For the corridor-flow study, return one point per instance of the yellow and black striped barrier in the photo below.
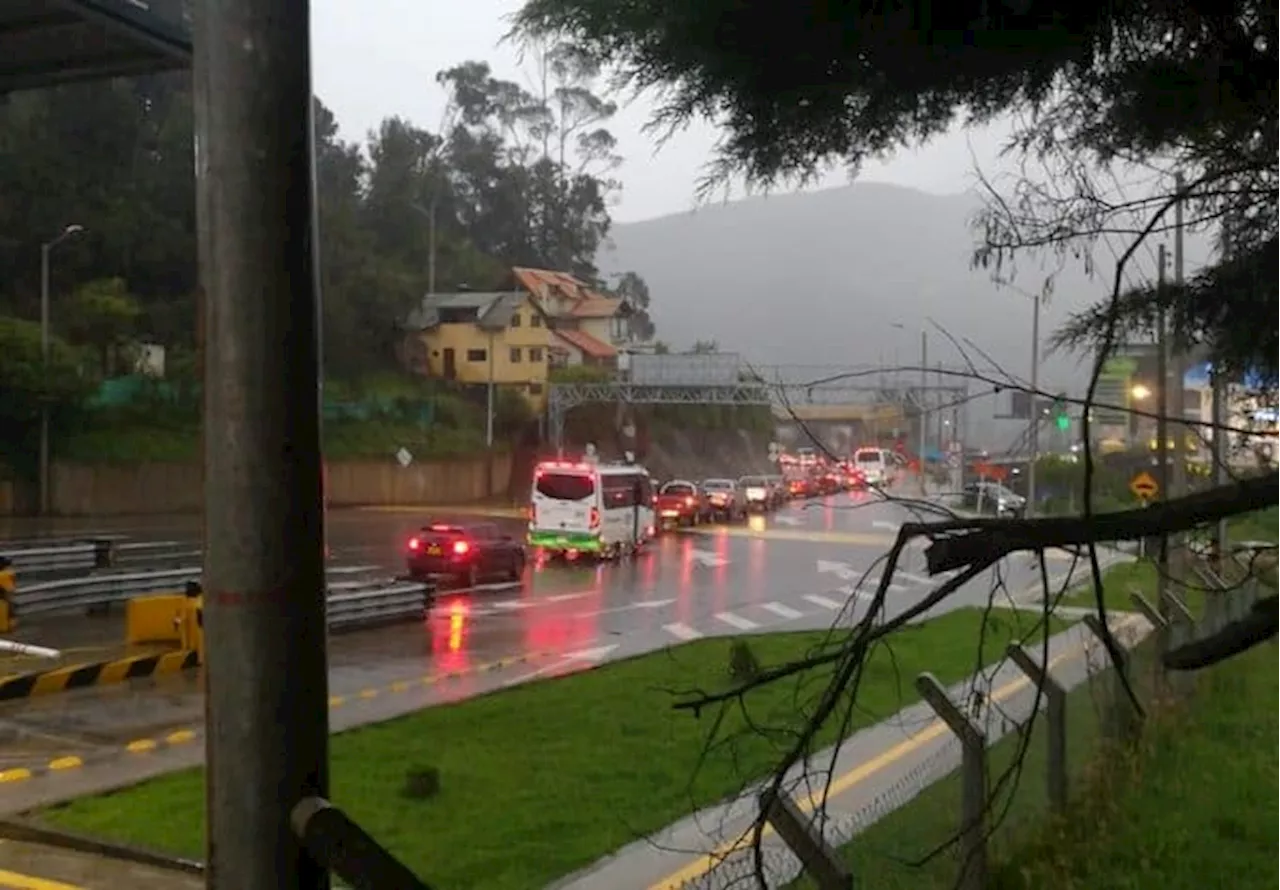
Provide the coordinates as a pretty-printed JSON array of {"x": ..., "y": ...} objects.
[{"x": 99, "y": 673}]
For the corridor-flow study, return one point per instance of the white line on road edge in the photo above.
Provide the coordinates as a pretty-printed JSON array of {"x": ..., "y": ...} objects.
[
  {"x": 682, "y": 631},
  {"x": 824, "y": 602},
  {"x": 781, "y": 611},
  {"x": 736, "y": 621}
]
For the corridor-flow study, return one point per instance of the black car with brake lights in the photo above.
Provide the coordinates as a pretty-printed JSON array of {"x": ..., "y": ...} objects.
[{"x": 468, "y": 553}]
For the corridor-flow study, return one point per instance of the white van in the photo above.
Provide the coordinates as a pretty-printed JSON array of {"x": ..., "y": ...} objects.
[
  {"x": 876, "y": 465},
  {"x": 586, "y": 508}
]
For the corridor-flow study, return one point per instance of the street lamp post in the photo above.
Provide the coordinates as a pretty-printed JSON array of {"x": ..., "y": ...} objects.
[
  {"x": 924, "y": 388},
  {"x": 1037, "y": 416},
  {"x": 46, "y": 249}
]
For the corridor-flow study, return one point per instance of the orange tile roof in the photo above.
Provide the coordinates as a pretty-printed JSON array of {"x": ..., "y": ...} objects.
[
  {"x": 597, "y": 307},
  {"x": 541, "y": 282},
  {"x": 587, "y": 344}
]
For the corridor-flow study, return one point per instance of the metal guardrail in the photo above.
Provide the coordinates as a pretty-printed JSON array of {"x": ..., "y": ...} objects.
[
  {"x": 95, "y": 554},
  {"x": 359, "y": 604},
  {"x": 350, "y": 602}
]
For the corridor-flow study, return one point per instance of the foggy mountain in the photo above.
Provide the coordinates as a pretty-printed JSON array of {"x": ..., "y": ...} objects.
[{"x": 822, "y": 278}]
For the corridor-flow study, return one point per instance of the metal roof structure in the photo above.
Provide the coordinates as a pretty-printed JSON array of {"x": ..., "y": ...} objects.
[{"x": 49, "y": 42}]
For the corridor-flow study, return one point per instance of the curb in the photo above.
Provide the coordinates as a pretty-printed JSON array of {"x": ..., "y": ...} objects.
[
  {"x": 26, "y": 831},
  {"x": 186, "y": 736},
  {"x": 100, "y": 673}
]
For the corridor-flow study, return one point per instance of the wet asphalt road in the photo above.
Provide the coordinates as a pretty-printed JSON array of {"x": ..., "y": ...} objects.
[{"x": 799, "y": 568}]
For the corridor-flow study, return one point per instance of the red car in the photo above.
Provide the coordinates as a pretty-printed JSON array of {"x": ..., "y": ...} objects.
[
  {"x": 680, "y": 503},
  {"x": 470, "y": 554}
]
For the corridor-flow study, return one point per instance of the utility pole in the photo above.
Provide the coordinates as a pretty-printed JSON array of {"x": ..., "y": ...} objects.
[
  {"x": 43, "y": 458},
  {"x": 924, "y": 394},
  {"x": 1162, "y": 429},
  {"x": 1035, "y": 405},
  {"x": 266, "y": 677},
  {"x": 1178, "y": 361},
  {"x": 1218, "y": 445}
]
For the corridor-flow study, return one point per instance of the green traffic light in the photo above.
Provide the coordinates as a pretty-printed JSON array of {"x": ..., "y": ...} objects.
[{"x": 1064, "y": 422}]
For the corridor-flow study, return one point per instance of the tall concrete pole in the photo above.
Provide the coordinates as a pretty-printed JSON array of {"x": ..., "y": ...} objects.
[
  {"x": 43, "y": 458},
  {"x": 1035, "y": 405},
  {"x": 264, "y": 616}
]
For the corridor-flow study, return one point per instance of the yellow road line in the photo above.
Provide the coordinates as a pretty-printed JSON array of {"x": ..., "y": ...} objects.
[
  {"x": 12, "y": 880},
  {"x": 704, "y": 864}
]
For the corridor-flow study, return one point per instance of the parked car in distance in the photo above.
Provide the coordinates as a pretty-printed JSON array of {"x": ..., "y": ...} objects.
[
  {"x": 467, "y": 553},
  {"x": 680, "y": 503},
  {"x": 724, "y": 499},
  {"x": 755, "y": 490},
  {"x": 993, "y": 498}
]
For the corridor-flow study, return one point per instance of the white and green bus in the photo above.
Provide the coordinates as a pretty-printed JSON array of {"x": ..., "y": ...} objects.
[{"x": 590, "y": 509}]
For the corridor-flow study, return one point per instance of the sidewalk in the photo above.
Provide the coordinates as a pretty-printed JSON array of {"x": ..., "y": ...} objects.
[{"x": 876, "y": 771}]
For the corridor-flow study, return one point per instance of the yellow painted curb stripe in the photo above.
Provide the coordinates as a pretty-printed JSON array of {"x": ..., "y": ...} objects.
[{"x": 12, "y": 880}]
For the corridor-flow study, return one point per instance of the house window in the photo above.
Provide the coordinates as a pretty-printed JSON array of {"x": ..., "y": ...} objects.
[
  {"x": 515, "y": 355},
  {"x": 535, "y": 320},
  {"x": 515, "y": 320},
  {"x": 535, "y": 389},
  {"x": 476, "y": 355},
  {"x": 535, "y": 354}
]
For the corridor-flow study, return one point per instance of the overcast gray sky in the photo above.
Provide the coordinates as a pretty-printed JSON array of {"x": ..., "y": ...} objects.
[{"x": 379, "y": 57}]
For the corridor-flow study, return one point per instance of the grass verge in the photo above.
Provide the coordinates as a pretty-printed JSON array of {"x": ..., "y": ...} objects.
[
  {"x": 1120, "y": 581},
  {"x": 909, "y": 848},
  {"x": 543, "y": 779},
  {"x": 1196, "y": 798}
]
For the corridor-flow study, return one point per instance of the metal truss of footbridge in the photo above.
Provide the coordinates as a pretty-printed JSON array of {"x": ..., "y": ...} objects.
[{"x": 829, "y": 394}]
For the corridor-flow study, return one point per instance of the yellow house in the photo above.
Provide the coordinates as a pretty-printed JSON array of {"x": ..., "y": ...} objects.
[
  {"x": 588, "y": 326},
  {"x": 475, "y": 338}
]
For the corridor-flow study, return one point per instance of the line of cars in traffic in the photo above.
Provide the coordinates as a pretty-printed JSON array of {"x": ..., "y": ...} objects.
[{"x": 602, "y": 510}]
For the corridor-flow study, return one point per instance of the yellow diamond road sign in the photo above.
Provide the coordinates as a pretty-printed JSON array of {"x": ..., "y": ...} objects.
[{"x": 1143, "y": 486}]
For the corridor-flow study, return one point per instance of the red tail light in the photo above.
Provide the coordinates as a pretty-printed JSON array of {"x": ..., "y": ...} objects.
[
  {"x": 595, "y": 517},
  {"x": 461, "y": 548},
  {"x": 688, "y": 502},
  {"x": 414, "y": 543}
]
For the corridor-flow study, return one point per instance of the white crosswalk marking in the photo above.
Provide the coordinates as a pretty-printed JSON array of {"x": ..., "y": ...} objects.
[
  {"x": 872, "y": 584},
  {"x": 682, "y": 631},
  {"x": 736, "y": 621},
  {"x": 824, "y": 602},
  {"x": 781, "y": 611}
]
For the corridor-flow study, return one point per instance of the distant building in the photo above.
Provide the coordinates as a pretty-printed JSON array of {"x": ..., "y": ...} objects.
[
  {"x": 474, "y": 338},
  {"x": 588, "y": 327}
]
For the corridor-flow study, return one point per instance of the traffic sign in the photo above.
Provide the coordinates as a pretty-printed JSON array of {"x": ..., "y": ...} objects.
[{"x": 1143, "y": 486}]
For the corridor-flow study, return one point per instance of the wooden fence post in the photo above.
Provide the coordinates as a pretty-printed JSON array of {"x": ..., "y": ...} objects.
[
  {"x": 1055, "y": 720},
  {"x": 973, "y": 777},
  {"x": 1123, "y": 721},
  {"x": 819, "y": 859}
]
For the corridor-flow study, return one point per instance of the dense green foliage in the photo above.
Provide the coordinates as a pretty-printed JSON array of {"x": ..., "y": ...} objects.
[
  {"x": 507, "y": 178},
  {"x": 1095, "y": 89}
]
